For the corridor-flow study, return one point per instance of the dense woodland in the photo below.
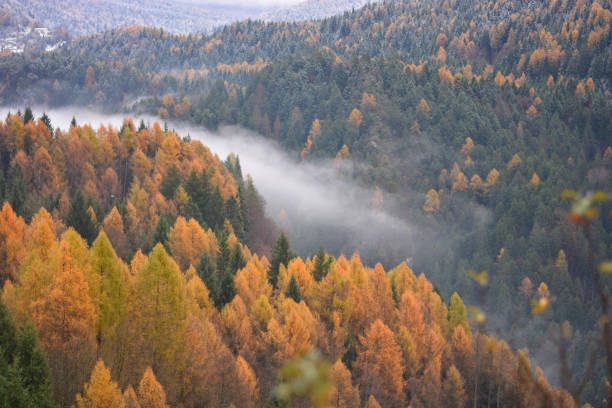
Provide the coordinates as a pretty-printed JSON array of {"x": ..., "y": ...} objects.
[
  {"x": 471, "y": 117},
  {"x": 197, "y": 319}
]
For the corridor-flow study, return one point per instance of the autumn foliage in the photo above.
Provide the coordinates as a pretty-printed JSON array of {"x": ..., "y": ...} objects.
[{"x": 159, "y": 337}]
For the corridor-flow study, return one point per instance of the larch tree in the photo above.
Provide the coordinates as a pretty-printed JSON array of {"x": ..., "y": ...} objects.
[
  {"x": 343, "y": 394},
  {"x": 426, "y": 390},
  {"x": 65, "y": 318},
  {"x": 248, "y": 392},
  {"x": 453, "y": 394},
  {"x": 130, "y": 398},
  {"x": 379, "y": 366},
  {"x": 187, "y": 240},
  {"x": 160, "y": 290},
  {"x": 372, "y": 403},
  {"x": 432, "y": 202},
  {"x": 457, "y": 314},
  {"x": 150, "y": 393},
  {"x": 12, "y": 248},
  {"x": 101, "y": 391},
  {"x": 114, "y": 320},
  {"x": 114, "y": 229}
]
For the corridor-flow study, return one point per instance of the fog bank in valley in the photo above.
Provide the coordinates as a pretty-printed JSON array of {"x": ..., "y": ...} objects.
[{"x": 313, "y": 202}]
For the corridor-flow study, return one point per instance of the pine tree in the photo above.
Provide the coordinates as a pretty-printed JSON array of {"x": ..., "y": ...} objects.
[
  {"x": 160, "y": 234},
  {"x": 237, "y": 260},
  {"x": 321, "y": 266},
  {"x": 80, "y": 219},
  {"x": 27, "y": 116},
  {"x": 293, "y": 290},
  {"x": 207, "y": 271},
  {"x": 33, "y": 369},
  {"x": 8, "y": 335},
  {"x": 281, "y": 254},
  {"x": 170, "y": 182},
  {"x": 18, "y": 194}
]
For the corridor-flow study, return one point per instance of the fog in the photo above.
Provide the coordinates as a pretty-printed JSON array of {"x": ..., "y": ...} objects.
[{"x": 315, "y": 203}]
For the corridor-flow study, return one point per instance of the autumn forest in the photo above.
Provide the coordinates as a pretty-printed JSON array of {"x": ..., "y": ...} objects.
[{"x": 140, "y": 268}]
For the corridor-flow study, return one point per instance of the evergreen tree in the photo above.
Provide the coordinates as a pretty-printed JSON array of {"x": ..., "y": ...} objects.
[
  {"x": 160, "y": 235},
  {"x": 223, "y": 253},
  {"x": 215, "y": 209},
  {"x": 47, "y": 121},
  {"x": 170, "y": 182},
  {"x": 234, "y": 215},
  {"x": 24, "y": 374},
  {"x": 18, "y": 193},
  {"x": 28, "y": 116},
  {"x": 8, "y": 335},
  {"x": 321, "y": 266},
  {"x": 293, "y": 290},
  {"x": 281, "y": 254},
  {"x": 207, "y": 271},
  {"x": 33, "y": 369},
  {"x": 79, "y": 218},
  {"x": 226, "y": 289},
  {"x": 237, "y": 260},
  {"x": 73, "y": 122}
]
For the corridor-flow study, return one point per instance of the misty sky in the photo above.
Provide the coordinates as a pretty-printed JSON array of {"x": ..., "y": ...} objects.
[{"x": 245, "y": 3}]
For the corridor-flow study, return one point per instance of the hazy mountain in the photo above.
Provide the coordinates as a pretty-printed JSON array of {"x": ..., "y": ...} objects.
[
  {"x": 314, "y": 9},
  {"x": 82, "y": 17}
]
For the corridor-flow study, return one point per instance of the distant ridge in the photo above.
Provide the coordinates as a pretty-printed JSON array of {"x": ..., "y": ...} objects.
[{"x": 314, "y": 9}]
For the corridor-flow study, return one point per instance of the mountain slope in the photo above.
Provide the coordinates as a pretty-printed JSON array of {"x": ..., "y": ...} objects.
[
  {"x": 80, "y": 17},
  {"x": 313, "y": 10}
]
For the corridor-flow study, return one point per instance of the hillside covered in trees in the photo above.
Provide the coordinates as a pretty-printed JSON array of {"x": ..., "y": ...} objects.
[
  {"x": 470, "y": 119},
  {"x": 193, "y": 317}
]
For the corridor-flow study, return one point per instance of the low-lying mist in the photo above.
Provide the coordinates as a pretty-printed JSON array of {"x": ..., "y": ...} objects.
[{"x": 314, "y": 202}]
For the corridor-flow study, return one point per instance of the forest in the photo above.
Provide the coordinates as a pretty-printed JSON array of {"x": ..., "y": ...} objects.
[
  {"x": 469, "y": 119},
  {"x": 96, "y": 314}
]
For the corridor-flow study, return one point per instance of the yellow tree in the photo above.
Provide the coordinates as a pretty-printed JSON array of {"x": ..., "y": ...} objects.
[
  {"x": 343, "y": 394},
  {"x": 248, "y": 392},
  {"x": 101, "y": 391},
  {"x": 355, "y": 118},
  {"x": 372, "y": 403},
  {"x": 161, "y": 299},
  {"x": 432, "y": 202},
  {"x": 453, "y": 394},
  {"x": 12, "y": 249},
  {"x": 426, "y": 390},
  {"x": 150, "y": 393},
  {"x": 65, "y": 318},
  {"x": 130, "y": 398},
  {"x": 113, "y": 227},
  {"x": 379, "y": 366},
  {"x": 115, "y": 328},
  {"x": 187, "y": 240}
]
